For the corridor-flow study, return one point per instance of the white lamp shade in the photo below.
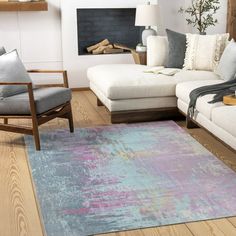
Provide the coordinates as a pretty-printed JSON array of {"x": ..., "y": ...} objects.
[{"x": 147, "y": 15}]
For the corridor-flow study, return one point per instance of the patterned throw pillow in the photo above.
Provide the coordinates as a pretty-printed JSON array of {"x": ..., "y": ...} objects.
[{"x": 204, "y": 51}]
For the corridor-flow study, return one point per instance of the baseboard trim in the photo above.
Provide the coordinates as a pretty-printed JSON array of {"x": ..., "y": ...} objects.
[{"x": 80, "y": 89}]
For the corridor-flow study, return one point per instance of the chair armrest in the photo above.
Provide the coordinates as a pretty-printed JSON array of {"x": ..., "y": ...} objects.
[
  {"x": 63, "y": 72},
  {"x": 16, "y": 83},
  {"x": 46, "y": 71}
]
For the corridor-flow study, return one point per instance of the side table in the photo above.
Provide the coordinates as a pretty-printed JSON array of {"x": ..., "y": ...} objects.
[
  {"x": 230, "y": 100},
  {"x": 139, "y": 57}
]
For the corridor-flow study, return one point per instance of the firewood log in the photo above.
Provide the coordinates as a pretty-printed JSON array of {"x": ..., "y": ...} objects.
[
  {"x": 122, "y": 46},
  {"x": 113, "y": 50},
  {"x": 100, "y": 49},
  {"x": 105, "y": 42}
]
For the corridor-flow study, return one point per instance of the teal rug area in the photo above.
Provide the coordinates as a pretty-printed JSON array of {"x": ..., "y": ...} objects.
[{"x": 124, "y": 177}]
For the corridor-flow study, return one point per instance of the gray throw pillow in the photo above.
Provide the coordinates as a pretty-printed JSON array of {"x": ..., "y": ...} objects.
[
  {"x": 227, "y": 66},
  {"x": 2, "y": 51},
  {"x": 12, "y": 70},
  {"x": 177, "y": 49}
]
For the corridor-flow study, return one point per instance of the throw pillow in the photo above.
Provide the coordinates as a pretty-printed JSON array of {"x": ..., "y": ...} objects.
[
  {"x": 157, "y": 51},
  {"x": 177, "y": 49},
  {"x": 227, "y": 66},
  {"x": 2, "y": 51},
  {"x": 204, "y": 51},
  {"x": 12, "y": 70}
]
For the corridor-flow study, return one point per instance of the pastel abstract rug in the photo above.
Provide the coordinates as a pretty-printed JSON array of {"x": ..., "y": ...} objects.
[{"x": 124, "y": 177}]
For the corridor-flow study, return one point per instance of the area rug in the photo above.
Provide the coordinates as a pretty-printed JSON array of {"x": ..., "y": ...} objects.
[{"x": 124, "y": 177}]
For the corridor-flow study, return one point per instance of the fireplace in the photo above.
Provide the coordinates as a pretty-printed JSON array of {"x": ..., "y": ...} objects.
[
  {"x": 77, "y": 63},
  {"x": 114, "y": 24}
]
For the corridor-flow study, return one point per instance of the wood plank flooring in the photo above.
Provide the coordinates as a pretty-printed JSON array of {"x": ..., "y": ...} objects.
[{"x": 19, "y": 215}]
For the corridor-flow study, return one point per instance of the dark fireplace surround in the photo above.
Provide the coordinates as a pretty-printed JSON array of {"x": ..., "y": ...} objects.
[{"x": 114, "y": 24}]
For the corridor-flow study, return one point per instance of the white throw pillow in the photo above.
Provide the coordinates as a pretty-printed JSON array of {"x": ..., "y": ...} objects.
[
  {"x": 157, "y": 50},
  {"x": 227, "y": 65},
  {"x": 204, "y": 51}
]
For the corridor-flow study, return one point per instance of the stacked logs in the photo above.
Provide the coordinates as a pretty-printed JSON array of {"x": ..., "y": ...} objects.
[{"x": 104, "y": 47}]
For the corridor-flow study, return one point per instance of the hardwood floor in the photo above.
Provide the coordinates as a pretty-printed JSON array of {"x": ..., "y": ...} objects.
[{"x": 19, "y": 214}]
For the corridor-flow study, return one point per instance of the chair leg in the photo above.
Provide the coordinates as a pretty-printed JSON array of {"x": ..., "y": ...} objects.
[
  {"x": 34, "y": 117},
  {"x": 5, "y": 121},
  {"x": 36, "y": 134},
  {"x": 70, "y": 120}
]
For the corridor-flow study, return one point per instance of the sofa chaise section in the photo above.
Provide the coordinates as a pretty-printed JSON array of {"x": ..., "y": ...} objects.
[{"x": 130, "y": 94}]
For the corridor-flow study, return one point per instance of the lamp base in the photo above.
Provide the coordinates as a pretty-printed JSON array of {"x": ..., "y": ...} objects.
[{"x": 147, "y": 32}]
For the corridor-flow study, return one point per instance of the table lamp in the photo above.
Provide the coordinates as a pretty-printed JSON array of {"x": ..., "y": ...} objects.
[{"x": 147, "y": 15}]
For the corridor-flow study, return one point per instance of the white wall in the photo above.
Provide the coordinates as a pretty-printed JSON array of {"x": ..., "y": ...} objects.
[
  {"x": 173, "y": 20},
  {"x": 170, "y": 18},
  {"x": 36, "y": 35}
]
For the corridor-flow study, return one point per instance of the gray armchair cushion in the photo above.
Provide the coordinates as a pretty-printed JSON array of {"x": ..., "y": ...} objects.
[
  {"x": 45, "y": 99},
  {"x": 2, "y": 51},
  {"x": 177, "y": 49},
  {"x": 12, "y": 70}
]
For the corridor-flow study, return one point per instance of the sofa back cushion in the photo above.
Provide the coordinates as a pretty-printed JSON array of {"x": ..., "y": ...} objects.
[
  {"x": 12, "y": 70},
  {"x": 2, "y": 51},
  {"x": 204, "y": 51},
  {"x": 196, "y": 75},
  {"x": 227, "y": 66},
  {"x": 157, "y": 50}
]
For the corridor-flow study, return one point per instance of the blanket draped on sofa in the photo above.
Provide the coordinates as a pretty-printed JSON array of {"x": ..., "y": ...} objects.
[{"x": 220, "y": 90}]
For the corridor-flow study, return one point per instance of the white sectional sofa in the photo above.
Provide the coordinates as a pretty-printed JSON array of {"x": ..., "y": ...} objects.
[{"x": 131, "y": 95}]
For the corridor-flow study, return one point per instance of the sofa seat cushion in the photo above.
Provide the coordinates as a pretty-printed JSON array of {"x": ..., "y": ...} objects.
[
  {"x": 45, "y": 99},
  {"x": 183, "y": 90},
  {"x": 206, "y": 108},
  {"x": 134, "y": 103},
  {"x": 202, "y": 106},
  {"x": 129, "y": 81},
  {"x": 224, "y": 117}
]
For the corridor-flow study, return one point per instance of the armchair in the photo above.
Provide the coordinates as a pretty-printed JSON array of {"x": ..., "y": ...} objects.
[{"x": 40, "y": 105}]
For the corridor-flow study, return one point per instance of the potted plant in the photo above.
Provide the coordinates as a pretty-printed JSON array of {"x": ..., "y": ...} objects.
[{"x": 202, "y": 14}]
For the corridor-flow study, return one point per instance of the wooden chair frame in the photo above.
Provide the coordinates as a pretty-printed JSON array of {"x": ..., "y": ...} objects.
[{"x": 62, "y": 111}]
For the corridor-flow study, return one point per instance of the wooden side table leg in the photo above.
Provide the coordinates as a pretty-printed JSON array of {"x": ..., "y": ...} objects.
[{"x": 140, "y": 58}]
